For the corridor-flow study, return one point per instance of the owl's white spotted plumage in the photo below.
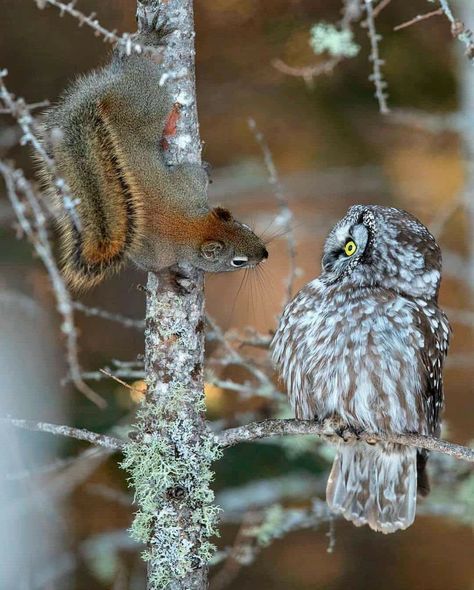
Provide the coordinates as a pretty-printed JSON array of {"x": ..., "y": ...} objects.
[{"x": 365, "y": 343}]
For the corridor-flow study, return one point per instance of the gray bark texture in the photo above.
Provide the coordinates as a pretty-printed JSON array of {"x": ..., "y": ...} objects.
[{"x": 171, "y": 453}]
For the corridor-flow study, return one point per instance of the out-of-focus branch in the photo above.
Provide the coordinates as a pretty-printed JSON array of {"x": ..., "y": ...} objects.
[
  {"x": 308, "y": 73},
  {"x": 91, "y": 21},
  {"x": 107, "y": 315},
  {"x": 285, "y": 217},
  {"x": 34, "y": 227},
  {"x": 351, "y": 13},
  {"x": 459, "y": 29},
  {"x": 262, "y": 527},
  {"x": 230, "y": 356},
  {"x": 466, "y": 93},
  {"x": 418, "y": 18},
  {"x": 270, "y": 428},
  {"x": 376, "y": 77},
  {"x": 21, "y": 111}
]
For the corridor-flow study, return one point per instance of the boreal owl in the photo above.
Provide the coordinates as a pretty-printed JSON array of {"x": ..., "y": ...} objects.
[{"x": 364, "y": 344}]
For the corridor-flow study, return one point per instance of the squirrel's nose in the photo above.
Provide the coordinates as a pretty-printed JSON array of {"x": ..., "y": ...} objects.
[{"x": 264, "y": 254}]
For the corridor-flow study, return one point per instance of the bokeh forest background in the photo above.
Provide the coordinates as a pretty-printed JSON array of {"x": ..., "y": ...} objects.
[{"x": 64, "y": 528}]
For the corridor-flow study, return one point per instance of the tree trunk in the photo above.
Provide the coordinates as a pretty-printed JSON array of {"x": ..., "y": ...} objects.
[{"x": 171, "y": 455}]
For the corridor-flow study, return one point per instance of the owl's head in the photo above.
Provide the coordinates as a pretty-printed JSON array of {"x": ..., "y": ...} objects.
[{"x": 386, "y": 247}]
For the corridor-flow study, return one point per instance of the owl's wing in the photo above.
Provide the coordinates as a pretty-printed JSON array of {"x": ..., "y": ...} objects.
[{"x": 434, "y": 326}]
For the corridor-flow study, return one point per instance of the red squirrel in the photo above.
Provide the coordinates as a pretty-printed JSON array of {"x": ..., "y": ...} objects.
[{"x": 107, "y": 130}]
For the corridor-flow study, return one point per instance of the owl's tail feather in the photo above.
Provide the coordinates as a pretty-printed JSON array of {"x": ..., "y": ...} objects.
[{"x": 374, "y": 485}]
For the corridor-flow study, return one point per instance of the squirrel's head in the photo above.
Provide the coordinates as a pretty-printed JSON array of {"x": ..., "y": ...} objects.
[{"x": 227, "y": 244}]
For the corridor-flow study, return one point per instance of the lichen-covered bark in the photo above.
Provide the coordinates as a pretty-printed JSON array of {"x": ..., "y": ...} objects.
[{"x": 171, "y": 453}]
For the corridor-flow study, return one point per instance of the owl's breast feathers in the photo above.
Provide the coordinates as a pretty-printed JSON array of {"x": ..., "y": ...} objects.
[{"x": 369, "y": 355}]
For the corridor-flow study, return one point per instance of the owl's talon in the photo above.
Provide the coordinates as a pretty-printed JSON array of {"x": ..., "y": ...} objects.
[
  {"x": 356, "y": 432},
  {"x": 343, "y": 432}
]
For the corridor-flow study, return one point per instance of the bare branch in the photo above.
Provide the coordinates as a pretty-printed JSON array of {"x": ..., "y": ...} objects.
[
  {"x": 459, "y": 30},
  {"x": 101, "y": 440},
  {"x": 376, "y": 77},
  {"x": 107, "y": 315},
  {"x": 418, "y": 19},
  {"x": 18, "y": 109},
  {"x": 36, "y": 231},
  {"x": 285, "y": 217},
  {"x": 380, "y": 6},
  {"x": 307, "y": 72},
  {"x": 262, "y": 527},
  {"x": 91, "y": 21},
  {"x": 232, "y": 355},
  {"x": 271, "y": 428},
  {"x": 126, "y": 373}
]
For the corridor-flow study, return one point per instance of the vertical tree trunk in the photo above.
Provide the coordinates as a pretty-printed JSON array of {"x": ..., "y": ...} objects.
[{"x": 171, "y": 455}]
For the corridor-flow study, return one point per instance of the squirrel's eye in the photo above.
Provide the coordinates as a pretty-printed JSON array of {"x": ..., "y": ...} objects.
[
  {"x": 239, "y": 261},
  {"x": 350, "y": 248}
]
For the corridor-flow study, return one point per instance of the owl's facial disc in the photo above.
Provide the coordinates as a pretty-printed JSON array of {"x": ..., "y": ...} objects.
[{"x": 344, "y": 248}]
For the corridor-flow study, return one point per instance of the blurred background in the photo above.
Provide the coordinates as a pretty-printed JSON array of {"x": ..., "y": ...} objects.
[{"x": 64, "y": 521}]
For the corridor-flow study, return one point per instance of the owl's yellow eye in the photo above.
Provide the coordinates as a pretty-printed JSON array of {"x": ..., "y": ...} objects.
[{"x": 350, "y": 248}]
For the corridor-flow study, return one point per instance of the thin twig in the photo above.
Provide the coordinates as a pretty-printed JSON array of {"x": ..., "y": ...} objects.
[
  {"x": 459, "y": 30},
  {"x": 232, "y": 356},
  {"x": 351, "y": 13},
  {"x": 307, "y": 72},
  {"x": 241, "y": 553},
  {"x": 37, "y": 233},
  {"x": 271, "y": 428},
  {"x": 18, "y": 108},
  {"x": 120, "y": 374},
  {"x": 380, "y": 6},
  {"x": 91, "y": 21},
  {"x": 107, "y": 315},
  {"x": 139, "y": 392},
  {"x": 285, "y": 217},
  {"x": 419, "y": 18}
]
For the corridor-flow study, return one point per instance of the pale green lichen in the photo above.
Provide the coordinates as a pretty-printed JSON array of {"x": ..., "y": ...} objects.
[
  {"x": 166, "y": 457},
  {"x": 337, "y": 42},
  {"x": 270, "y": 528}
]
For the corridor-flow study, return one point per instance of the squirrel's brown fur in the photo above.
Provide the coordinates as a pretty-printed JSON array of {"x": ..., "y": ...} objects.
[{"x": 105, "y": 136}]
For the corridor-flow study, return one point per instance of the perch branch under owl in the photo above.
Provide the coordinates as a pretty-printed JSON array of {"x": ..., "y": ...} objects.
[
  {"x": 271, "y": 428},
  {"x": 266, "y": 429}
]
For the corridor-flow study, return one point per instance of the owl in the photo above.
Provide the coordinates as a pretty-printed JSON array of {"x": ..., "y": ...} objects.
[{"x": 364, "y": 344}]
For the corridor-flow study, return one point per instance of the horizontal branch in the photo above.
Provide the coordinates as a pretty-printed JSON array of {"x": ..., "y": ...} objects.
[
  {"x": 101, "y": 440},
  {"x": 266, "y": 429},
  {"x": 272, "y": 428}
]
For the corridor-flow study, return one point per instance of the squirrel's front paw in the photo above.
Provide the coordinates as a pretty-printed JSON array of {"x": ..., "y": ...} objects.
[{"x": 182, "y": 283}]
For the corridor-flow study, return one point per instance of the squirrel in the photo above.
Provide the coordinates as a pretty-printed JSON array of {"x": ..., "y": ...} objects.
[{"x": 106, "y": 137}]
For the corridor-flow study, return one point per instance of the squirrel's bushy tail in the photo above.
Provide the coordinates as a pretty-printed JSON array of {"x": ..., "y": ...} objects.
[
  {"x": 109, "y": 206},
  {"x": 374, "y": 485}
]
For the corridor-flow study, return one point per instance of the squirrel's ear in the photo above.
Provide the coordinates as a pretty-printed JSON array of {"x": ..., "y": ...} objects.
[
  {"x": 222, "y": 214},
  {"x": 211, "y": 249}
]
